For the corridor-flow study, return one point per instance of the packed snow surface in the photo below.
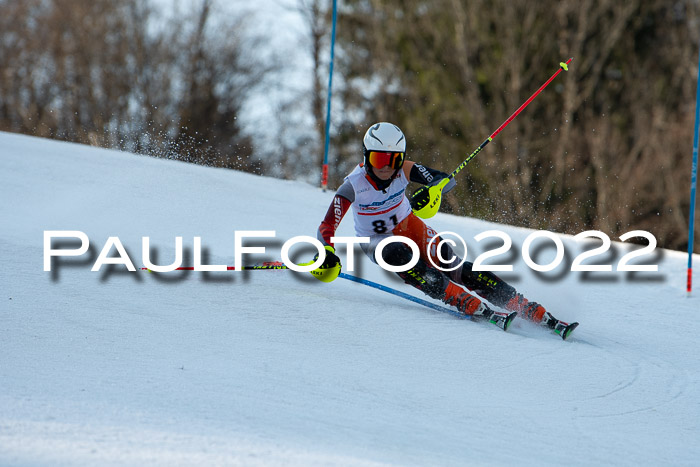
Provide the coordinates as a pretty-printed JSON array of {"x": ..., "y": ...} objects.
[{"x": 274, "y": 367}]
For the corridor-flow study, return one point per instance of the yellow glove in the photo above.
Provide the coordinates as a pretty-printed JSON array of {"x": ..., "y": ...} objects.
[
  {"x": 330, "y": 269},
  {"x": 426, "y": 200}
]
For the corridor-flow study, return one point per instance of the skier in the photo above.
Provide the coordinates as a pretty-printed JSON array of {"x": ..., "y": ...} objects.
[{"x": 376, "y": 191}]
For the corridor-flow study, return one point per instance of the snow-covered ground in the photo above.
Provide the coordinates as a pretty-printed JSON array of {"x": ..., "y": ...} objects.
[{"x": 274, "y": 367}]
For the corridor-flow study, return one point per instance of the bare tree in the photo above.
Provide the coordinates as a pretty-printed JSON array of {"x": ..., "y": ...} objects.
[{"x": 113, "y": 74}]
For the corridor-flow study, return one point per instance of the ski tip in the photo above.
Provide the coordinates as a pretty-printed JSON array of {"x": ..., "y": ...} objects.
[
  {"x": 568, "y": 330},
  {"x": 509, "y": 320}
]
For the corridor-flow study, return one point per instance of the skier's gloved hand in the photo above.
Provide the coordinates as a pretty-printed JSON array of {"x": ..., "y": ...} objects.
[
  {"x": 331, "y": 258},
  {"x": 330, "y": 269},
  {"x": 423, "y": 196},
  {"x": 420, "y": 198},
  {"x": 425, "y": 202}
]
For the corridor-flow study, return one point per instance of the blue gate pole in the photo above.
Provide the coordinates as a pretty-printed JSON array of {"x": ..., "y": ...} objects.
[
  {"x": 693, "y": 186},
  {"x": 324, "y": 171}
]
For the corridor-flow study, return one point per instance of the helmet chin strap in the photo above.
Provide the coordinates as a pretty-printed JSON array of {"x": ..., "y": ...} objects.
[{"x": 378, "y": 182}]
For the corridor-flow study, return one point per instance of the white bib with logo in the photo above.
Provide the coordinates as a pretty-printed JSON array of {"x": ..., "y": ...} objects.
[{"x": 378, "y": 211}]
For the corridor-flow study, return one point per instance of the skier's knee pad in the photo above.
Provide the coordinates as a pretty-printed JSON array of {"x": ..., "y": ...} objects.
[
  {"x": 422, "y": 276},
  {"x": 397, "y": 254},
  {"x": 426, "y": 278}
]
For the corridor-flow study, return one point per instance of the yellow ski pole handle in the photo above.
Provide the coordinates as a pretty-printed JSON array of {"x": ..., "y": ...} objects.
[{"x": 435, "y": 199}]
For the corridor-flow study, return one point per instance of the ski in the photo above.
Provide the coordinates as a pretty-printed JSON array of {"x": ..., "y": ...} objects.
[
  {"x": 502, "y": 319},
  {"x": 564, "y": 329}
]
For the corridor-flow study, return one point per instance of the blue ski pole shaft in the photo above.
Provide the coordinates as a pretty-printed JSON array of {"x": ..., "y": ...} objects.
[{"x": 404, "y": 295}]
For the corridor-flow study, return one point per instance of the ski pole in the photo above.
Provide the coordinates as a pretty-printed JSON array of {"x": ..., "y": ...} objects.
[
  {"x": 263, "y": 265},
  {"x": 268, "y": 265},
  {"x": 259, "y": 266},
  {"x": 435, "y": 192}
]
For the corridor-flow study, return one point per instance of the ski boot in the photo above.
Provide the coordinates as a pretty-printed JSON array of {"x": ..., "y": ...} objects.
[
  {"x": 472, "y": 306},
  {"x": 502, "y": 319},
  {"x": 536, "y": 313},
  {"x": 531, "y": 311},
  {"x": 559, "y": 327}
]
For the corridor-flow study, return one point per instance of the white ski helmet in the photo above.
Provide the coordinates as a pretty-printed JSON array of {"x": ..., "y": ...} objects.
[{"x": 386, "y": 137}]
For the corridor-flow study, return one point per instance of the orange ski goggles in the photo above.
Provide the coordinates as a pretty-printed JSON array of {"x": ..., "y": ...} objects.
[{"x": 379, "y": 160}]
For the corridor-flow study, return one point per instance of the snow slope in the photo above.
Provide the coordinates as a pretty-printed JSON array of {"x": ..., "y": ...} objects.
[{"x": 274, "y": 367}]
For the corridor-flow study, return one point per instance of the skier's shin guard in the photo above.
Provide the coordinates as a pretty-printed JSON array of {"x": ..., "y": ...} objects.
[{"x": 487, "y": 284}]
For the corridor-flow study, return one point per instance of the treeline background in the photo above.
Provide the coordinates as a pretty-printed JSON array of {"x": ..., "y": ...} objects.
[{"x": 606, "y": 146}]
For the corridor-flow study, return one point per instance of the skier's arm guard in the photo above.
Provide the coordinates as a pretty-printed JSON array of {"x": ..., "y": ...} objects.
[
  {"x": 336, "y": 211},
  {"x": 431, "y": 177}
]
